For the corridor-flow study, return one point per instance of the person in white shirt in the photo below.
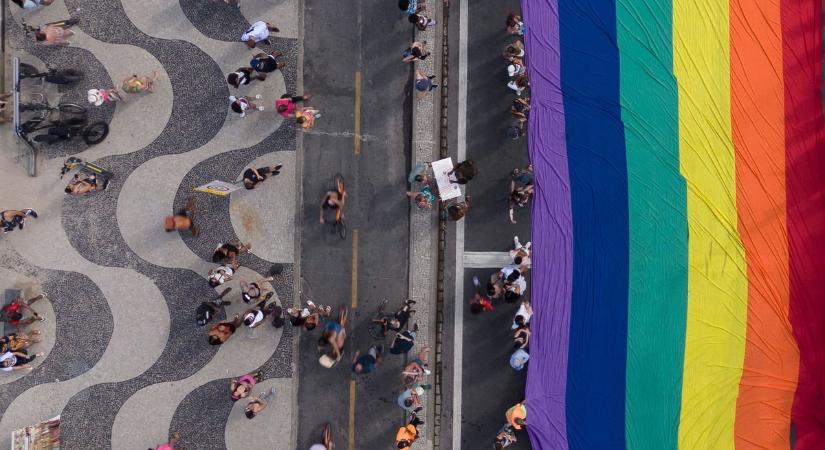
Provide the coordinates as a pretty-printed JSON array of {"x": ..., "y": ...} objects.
[
  {"x": 258, "y": 32},
  {"x": 523, "y": 315},
  {"x": 32, "y": 4}
]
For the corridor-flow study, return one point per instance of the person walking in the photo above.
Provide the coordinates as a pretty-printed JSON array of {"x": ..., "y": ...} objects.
[
  {"x": 230, "y": 251},
  {"x": 267, "y": 62},
  {"x": 172, "y": 444},
  {"x": 456, "y": 210},
  {"x": 305, "y": 117},
  {"x": 242, "y": 386},
  {"x": 287, "y": 104},
  {"x": 184, "y": 219},
  {"x": 479, "y": 302},
  {"x": 243, "y": 76},
  {"x": 16, "y": 342},
  {"x": 258, "y": 404},
  {"x": 13, "y": 313},
  {"x": 423, "y": 83},
  {"x": 243, "y": 104},
  {"x": 12, "y": 361},
  {"x": 11, "y": 218},
  {"x": 222, "y": 331},
  {"x": 32, "y": 4},
  {"x": 363, "y": 364},
  {"x": 421, "y": 21},
  {"x": 53, "y": 35},
  {"x": 335, "y": 334},
  {"x": 257, "y": 33},
  {"x": 137, "y": 85}
]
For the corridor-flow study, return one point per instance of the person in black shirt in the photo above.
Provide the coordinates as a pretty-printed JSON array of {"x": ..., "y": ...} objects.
[
  {"x": 252, "y": 176},
  {"x": 264, "y": 63},
  {"x": 206, "y": 311}
]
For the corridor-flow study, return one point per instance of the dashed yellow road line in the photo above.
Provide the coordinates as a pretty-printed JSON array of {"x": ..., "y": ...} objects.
[
  {"x": 351, "y": 433},
  {"x": 354, "y": 280},
  {"x": 357, "y": 133}
]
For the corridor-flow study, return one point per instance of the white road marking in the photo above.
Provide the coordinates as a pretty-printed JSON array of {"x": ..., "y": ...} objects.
[{"x": 478, "y": 260}]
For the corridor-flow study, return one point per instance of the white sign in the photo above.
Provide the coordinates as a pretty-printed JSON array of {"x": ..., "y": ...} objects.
[
  {"x": 447, "y": 186},
  {"x": 218, "y": 187}
]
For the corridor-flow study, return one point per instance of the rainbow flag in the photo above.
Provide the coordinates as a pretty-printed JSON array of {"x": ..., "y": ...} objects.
[{"x": 678, "y": 224}]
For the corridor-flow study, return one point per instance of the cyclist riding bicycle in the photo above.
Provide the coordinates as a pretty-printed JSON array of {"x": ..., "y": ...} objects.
[{"x": 334, "y": 200}]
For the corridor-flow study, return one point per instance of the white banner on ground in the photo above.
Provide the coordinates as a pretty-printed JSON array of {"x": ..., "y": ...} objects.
[
  {"x": 447, "y": 187},
  {"x": 218, "y": 187}
]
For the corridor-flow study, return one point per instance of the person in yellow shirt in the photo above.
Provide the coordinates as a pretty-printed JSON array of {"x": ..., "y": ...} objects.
[
  {"x": 517, "y": 416},
  {"x": 408, "y": 433}
]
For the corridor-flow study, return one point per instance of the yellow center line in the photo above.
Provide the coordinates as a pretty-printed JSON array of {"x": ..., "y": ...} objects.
[
  {"x": 354, "y": 279},
  {"x": 351, "y": 433},
  {"x": 357, "y": 132}
]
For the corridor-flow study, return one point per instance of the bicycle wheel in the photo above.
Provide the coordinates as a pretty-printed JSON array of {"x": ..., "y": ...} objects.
[
  {"x": 71, "y": 108},
  {"x": 27, "y": 70},
  {"x": 34, "y": 107},
  {"x": 95, "y": 133},
  {"x": 341, "y": 228}
]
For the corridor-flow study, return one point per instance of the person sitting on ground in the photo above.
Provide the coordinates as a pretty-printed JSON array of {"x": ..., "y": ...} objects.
[
  {"x": 335, "y": 334},
  {"x": 517, "y": 416},
  {"x": 32, "y": 4},
  {"x": 11, "y": 218},
  {"x": 514, "y": 50},
  {"x": 222, "y": 331},
  {"x": 17, "y": 342},
  {"x": 334, "y": 201},
  {"x": 457, "y": 209},
  {"x": 424, "y": 198},
  {"x": 363, "y": 364},
  {"x": 222, "y": 274},
  {"x": 305, "y": 117},
  {"x": 53, "y": 35},
  {"x": 13, "y": 313},
  {"x": 230, "y": 251},
  {"x": 421, "y": 21},
  {"x": 207, "y": 310},
  {"x": 409, "y": 399},
  {"x": 416, "y": 370},
  {"x": 243, "y": 76},
  {"x": 505, "y": 437},
  {"x": 519, "y": 196},
  {"x": 258, "y": 404},
  {"x": 252, "y": 177},
  {"x": 251, "y": 292},
  {"x": 136, "y": 84},
  {"x": 417, "y": 51},
  {"x": 404, "y": 341},
  {"x": 411, "y": 7},
  {"x": 521, "y": 337},
  {"x": 408, "y": 434},
  {"x": 242, "y": 386},
  {"x": 266, "y": 63},
  {"x": 184, "y": 219},
  {"x": 287, "y": 103},
  {"x": 258, "y": 32},
  {"x": 80, "y": 185},
  {"x": 515, "y": 25},
  {"x": 10, "y": 361},
  {"x": 523, "y": 315}
]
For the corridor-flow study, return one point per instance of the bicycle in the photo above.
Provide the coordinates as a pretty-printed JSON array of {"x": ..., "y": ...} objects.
[
  {"x": 71, "y": 123},
  {"x": 73, "y": 163},
  {"x": 51, "y": 75}
]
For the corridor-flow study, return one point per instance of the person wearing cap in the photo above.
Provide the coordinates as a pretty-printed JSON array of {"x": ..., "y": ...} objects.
[
  {"x": 266, "y": 63},
  {"x": 243, "y": 76},
  {"x": 242, "y": 104},
  {"x": 258, "y": 32},
  {"x": 98, "y": 97},
  {"x": 184, "y": 219},
  {"x": 519, "y": 358},
  {"x": 423, "y": 83},
  {"x": 517, "y": 416}
]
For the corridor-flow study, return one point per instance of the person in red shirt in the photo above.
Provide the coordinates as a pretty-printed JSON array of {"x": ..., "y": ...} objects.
[
  {"x": 13, "y": 313},
  {"x": 479, "y": 302},
  {"x": 286, "y": 104}
]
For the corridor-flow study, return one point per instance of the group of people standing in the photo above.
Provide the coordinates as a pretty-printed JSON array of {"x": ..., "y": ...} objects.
[{"x": 14, "y": 346}]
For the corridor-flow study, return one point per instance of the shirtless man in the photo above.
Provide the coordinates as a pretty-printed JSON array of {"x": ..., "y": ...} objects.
[
  {"x": 184, "y": 219},
  {"x": 11, "y": 218}
]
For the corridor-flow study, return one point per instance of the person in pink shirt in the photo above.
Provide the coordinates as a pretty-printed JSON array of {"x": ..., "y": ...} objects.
[
  {"x": 171, "y": 445},
  {"x": 286, "y": 104}
]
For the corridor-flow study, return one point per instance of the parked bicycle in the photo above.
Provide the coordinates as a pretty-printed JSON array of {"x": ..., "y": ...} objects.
[
  {"x": 71, "y": 123},
  {"x": 54, "y": 76}
]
